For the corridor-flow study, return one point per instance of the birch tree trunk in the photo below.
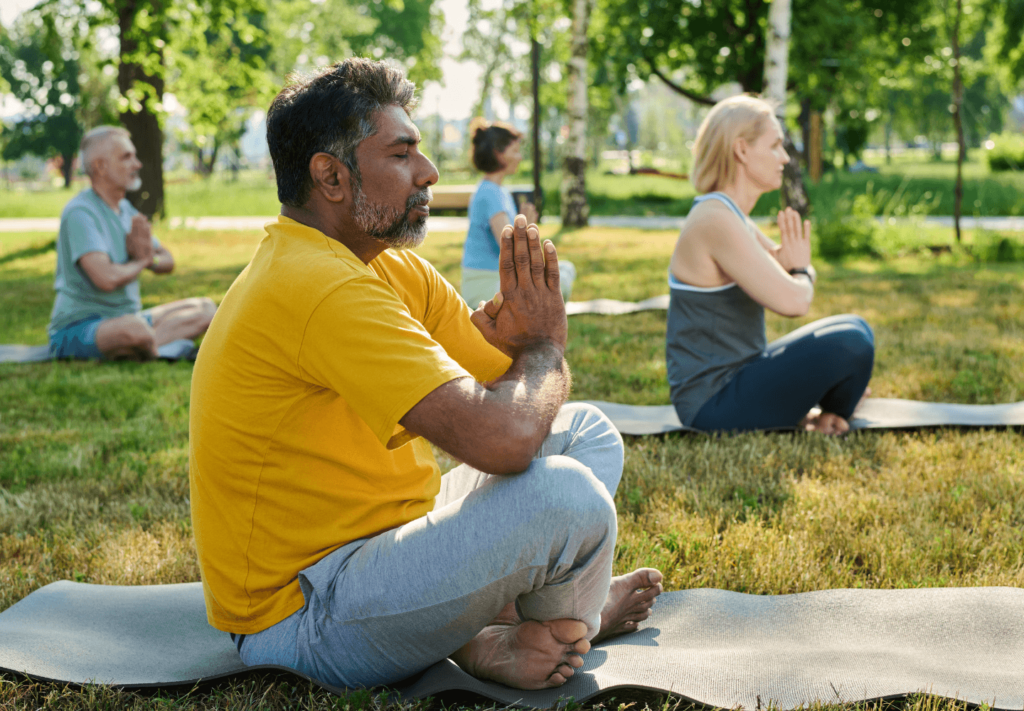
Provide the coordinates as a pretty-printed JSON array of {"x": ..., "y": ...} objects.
[
  {"x": 574, "y": 193},
  {"x": 776, "y": 72}
]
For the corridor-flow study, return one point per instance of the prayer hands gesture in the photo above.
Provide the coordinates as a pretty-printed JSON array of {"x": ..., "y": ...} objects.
[
  {"x": 140, "y": 240},
  {"x": 795, "y": 250},
  {"x": 529, "y": 309}
]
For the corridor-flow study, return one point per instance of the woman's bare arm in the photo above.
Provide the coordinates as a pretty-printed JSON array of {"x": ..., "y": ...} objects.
[{"x": 762, "y": 275}]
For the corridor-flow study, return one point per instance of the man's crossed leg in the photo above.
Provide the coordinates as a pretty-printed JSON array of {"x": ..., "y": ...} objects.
[{"x": 508, "y": 575}]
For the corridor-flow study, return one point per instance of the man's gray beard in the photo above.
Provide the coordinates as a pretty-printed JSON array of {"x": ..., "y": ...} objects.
[
  {"x": 390, "y": 224},
  {"x": 135, "y": 184}
]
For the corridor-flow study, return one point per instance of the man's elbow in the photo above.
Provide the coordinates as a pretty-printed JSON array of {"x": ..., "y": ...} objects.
[
  {"x": 105, "y": 285},
  {"x": 509, "y": 454}
]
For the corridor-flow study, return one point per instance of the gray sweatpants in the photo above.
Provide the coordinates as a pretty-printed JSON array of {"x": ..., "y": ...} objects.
[{"x": 384, "y": 608}]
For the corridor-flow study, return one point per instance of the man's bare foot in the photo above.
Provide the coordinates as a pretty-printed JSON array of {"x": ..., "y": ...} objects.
[
  {"x": 826, "y": 423},
  {"x": 629, "y": 602},
  {"x": 528, "y": 655}
]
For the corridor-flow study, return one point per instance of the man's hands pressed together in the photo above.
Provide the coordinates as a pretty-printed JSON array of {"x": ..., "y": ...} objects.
[
  {"x": 528, "y": 311},
  {"x": 498, "y": 427}
]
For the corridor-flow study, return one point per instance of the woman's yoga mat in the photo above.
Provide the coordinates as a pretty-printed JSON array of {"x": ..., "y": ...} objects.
[
  {"x": 711, "y": 646},
  {"x": 873, "y": 414}
]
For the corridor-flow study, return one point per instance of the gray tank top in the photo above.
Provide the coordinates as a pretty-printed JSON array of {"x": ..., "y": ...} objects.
[{"x": 711, "y": 333}]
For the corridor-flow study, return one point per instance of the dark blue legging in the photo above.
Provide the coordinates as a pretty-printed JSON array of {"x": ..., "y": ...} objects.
[{"x": 826, "y": 363}]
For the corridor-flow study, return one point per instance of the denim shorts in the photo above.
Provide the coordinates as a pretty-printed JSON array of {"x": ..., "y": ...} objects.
[{"x": 78, "y": 339}]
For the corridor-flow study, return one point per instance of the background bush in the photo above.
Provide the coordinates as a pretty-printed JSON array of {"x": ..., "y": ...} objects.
[{"x": 1008, "y": 153}]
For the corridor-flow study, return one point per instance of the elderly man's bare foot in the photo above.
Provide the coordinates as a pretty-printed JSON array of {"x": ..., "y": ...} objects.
[
  {"x": 826, "y": 423},
  {"x": 629, "y": 602},
  {"x": 528, "y": 655}
]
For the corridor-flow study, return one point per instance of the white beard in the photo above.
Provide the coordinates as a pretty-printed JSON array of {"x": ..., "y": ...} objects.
[{"x": 135, "y": 184}]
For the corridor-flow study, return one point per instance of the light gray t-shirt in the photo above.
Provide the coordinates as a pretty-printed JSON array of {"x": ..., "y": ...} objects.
[{"x": 90, "y": 225}]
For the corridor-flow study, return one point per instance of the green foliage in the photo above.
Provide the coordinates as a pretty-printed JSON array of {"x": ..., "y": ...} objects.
[
  {"x": 850, "y": 230},
  {"x": 219, "y": 74},
  {"x": 1010, "y": 40},
  {"x": 993, "y": 247},
  {"x": 1007, "y": 152},
  {"x": 716, "y": 43},
  {"x": 47, "y": 61}
]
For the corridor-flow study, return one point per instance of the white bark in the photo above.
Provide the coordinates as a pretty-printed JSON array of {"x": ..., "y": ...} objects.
[
  {"x": 776, "y": 73},
  {"x": 776, "y": 55},
  {"x": 574, "y": 196}
]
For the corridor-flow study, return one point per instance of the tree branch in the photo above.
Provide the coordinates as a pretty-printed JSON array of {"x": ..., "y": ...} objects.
[{"x": 678, "y": 89}]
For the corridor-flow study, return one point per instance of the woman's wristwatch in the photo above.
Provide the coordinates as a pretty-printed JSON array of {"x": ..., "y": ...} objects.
[{"x": 808, "y": 270}]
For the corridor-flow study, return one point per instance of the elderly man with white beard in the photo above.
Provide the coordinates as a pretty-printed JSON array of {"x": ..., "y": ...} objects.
[{"x": 103, "y": 246}]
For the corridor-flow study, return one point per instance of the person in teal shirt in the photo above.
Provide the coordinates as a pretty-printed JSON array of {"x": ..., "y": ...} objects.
[
  {"x": 497, "y": 152},
  {"x": 102, "y": 247}
]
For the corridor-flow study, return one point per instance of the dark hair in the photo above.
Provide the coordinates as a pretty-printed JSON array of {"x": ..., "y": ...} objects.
[
  {"x": 330, "y": 111},
  {"x": 489, "y": 139}
]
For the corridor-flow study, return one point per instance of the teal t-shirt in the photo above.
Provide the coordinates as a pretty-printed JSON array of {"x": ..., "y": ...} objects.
[
  {"x": 90, "y": 225},
  {"x": 481, "y": 248}
]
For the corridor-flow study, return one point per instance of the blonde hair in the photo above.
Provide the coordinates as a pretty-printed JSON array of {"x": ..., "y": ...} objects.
[
  {"x": 96, "y": 139},
  {"x": 714, "y": 163}
]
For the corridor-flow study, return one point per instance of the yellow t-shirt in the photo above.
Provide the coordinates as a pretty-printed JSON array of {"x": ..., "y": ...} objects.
[{"x": 294, "y": 443}]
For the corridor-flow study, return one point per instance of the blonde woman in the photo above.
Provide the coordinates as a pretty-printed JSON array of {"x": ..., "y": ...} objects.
[
  {"x": 497, "y": 152},
  {"x": 723, "y": 373}
]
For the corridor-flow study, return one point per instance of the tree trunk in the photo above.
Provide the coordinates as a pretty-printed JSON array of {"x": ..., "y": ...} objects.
[
  {"x": 538, "y": 190},
  {"x": 574, "y": 191},
  {"x": 142, "y": 90},
  {"x": 776, "y": 71},
  {"x": 67, "y": 168},
  {"x": 805, "y": 130},
  {"x": 814, "y": 148},
  {"x": 958, "y": 100}
]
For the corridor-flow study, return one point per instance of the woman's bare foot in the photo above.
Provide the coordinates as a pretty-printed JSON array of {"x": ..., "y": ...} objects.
[
  {"x": 826, "y": 423},
  {"x": 629, "y": 602},
  {"x": 865, "y": 396},
  {"x": 528, "y": 655}
]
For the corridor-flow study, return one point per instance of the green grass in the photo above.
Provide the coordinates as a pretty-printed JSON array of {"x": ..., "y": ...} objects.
[
  {"x": 911, "y": 185},
  {"x": 93, "y": 457}
]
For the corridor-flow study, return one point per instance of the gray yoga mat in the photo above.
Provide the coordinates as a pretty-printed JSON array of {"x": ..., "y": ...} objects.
[
  {"x": 711, "y": 646},
  {"x": 611, "y": 307},
  {"x": 16, "y": 353},
  {"x": 874, "y": 414}
]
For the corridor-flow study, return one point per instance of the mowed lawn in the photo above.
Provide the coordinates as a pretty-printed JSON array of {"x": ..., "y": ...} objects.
[{"x": 93, "y": 457}]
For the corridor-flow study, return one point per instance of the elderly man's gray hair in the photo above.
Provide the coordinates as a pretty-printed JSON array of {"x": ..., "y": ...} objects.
[{"x": 95, "y": 140}]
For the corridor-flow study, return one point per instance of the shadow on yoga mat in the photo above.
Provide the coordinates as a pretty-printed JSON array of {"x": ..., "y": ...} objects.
[
  {"x": 875, "y": 413},
  {"x": 710, "y": 646}
]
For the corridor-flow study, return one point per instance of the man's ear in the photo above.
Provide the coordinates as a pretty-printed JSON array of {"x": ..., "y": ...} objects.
[{"x": 330, "y": 176}]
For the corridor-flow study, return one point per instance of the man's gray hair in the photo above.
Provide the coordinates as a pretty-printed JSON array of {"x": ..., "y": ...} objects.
[
  {"x": 96, "y": 139},
  {"x": 331, "y": 111}
]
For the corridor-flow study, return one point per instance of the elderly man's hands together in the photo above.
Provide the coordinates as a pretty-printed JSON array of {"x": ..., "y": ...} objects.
[
  {"x": 140, "y": 240},
  {"x": 528, "y": 311}
]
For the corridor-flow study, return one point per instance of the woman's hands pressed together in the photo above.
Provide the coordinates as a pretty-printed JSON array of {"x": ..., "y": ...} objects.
[{"x": 795, "y": 249}]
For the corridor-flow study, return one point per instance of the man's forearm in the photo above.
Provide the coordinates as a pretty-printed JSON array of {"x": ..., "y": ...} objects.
[{"x": 533, "y": 390}]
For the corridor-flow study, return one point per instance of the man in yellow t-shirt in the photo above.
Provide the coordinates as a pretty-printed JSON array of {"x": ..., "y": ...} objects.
[{"x": 328, "y": 540}]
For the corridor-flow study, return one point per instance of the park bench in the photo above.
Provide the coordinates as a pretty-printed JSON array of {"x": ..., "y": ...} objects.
[{"x": 458, "y": 197}]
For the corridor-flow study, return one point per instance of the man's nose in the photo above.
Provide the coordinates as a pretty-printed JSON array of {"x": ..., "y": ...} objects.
[{"x": 428, "y": 175}]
